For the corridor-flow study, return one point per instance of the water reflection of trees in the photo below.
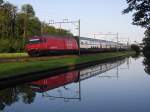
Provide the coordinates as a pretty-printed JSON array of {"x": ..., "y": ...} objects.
[
  {"x": 12, "y": 95},
  {"x": 136, "y": 56},
  {"x": 146, "y": 62}
]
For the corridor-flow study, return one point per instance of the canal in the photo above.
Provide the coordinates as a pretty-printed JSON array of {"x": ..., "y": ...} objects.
[{"x": 117, "y": 86}]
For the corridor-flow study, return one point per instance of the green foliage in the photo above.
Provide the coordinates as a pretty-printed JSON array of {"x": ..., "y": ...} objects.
[
  {"x": 146, "y": 42},
  {"x": 10, "y": 46},
  {"x": 16, "y": 27},
  {"x": 7, "y": 20},
  {"x": 28, "y": 9},
  {"x": 1, "y": 2},
  {"x": 4, "y": 45},
  {"x": 141, "y": 15},
  {"x": 135, "y": 47},
  {"x": 34, "y": 27},
  {"x": 50, "y": 30},
  {"x": 146, "y": 62}
]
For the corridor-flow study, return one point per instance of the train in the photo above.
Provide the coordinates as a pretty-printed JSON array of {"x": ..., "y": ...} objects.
[{"x": 46, "y": 45}]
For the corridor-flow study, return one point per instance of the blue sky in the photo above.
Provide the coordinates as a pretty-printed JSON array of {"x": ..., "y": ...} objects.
[{"x": 96, "y": 15}]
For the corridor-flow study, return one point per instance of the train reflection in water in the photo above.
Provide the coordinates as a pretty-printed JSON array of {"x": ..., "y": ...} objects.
[{"x": 60, "y": 86}]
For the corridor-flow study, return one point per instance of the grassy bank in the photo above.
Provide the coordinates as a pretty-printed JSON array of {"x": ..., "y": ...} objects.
[
  {"x": 17, "y": 68},
  {"x": 12, "y": 55}
]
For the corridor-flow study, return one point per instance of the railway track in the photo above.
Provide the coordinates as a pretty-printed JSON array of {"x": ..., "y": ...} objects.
[{"x": 24, "y": 59}]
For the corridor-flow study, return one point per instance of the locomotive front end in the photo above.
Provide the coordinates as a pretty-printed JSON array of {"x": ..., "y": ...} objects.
[{"x": 34, "y": 46}]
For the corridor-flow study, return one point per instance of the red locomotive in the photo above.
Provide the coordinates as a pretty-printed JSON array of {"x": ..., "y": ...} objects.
[{"x": 51, "y": 44}]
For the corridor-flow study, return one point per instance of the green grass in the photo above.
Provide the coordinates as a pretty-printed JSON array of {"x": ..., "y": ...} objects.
[
  {"x": 15, "y": 68},
  {"x": 13, "y": 55}
]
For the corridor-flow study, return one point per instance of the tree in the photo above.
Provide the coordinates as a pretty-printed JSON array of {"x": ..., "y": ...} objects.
[
  {"x": 141, "y": 10},
  {"x": 28, "y": 9},
  {"x": 7, "y": 13},
  {"x": 28, "y": 13},
  {"x": 146, "y": 63},
  {"x": 146, "y": 42},
  {"x": 50, "y": 30},
  {"x": 1, "y": 2},
  {"x": 141, "y": 17},
  {"x": 34, "y": 27},
  {"x": 31, "y": 26},
  {"x": 16, "y": 27},
  {"x": 135, "y": 47}
]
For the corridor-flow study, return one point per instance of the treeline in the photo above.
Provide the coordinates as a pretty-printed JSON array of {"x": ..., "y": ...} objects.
[
  {"x": 17, "y": 25},
  {"x": 141, "y": 17}
]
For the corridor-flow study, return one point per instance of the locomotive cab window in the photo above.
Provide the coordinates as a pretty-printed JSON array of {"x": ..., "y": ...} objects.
[{"x": 34, "y": 41}]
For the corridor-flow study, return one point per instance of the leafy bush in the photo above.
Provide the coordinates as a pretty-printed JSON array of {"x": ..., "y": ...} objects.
[
  {"x": 135, "y": 47},
  {"x": 4, "y": 45},
  {"x": 146, "y": 42}
]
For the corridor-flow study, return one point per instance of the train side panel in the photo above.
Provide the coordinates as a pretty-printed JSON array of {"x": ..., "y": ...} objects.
[
  {"x": 50, "y": 45},
  {"x": 55, "y": 44}
]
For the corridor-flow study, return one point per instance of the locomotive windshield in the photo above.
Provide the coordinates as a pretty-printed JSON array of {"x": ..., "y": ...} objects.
[{"x": 34, "y": 41}]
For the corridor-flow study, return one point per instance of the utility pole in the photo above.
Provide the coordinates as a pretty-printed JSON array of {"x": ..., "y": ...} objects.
[
  {"x": 79, "y": 37},
  {"x": 79, "y": 87},
  {"x": 97, "y": 34},
  {"x": 94, "y": 35},
  {"x": 128, "y": 43},
  {"x": 117, "y": 40}
]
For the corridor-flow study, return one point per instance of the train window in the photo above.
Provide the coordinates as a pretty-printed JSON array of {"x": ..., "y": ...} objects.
[
  {"x": 34, "y": 41},
  {"x": 82, "y": 43}
]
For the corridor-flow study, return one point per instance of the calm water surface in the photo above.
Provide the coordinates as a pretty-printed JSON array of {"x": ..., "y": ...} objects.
[{"x": 120, "y": 86}]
